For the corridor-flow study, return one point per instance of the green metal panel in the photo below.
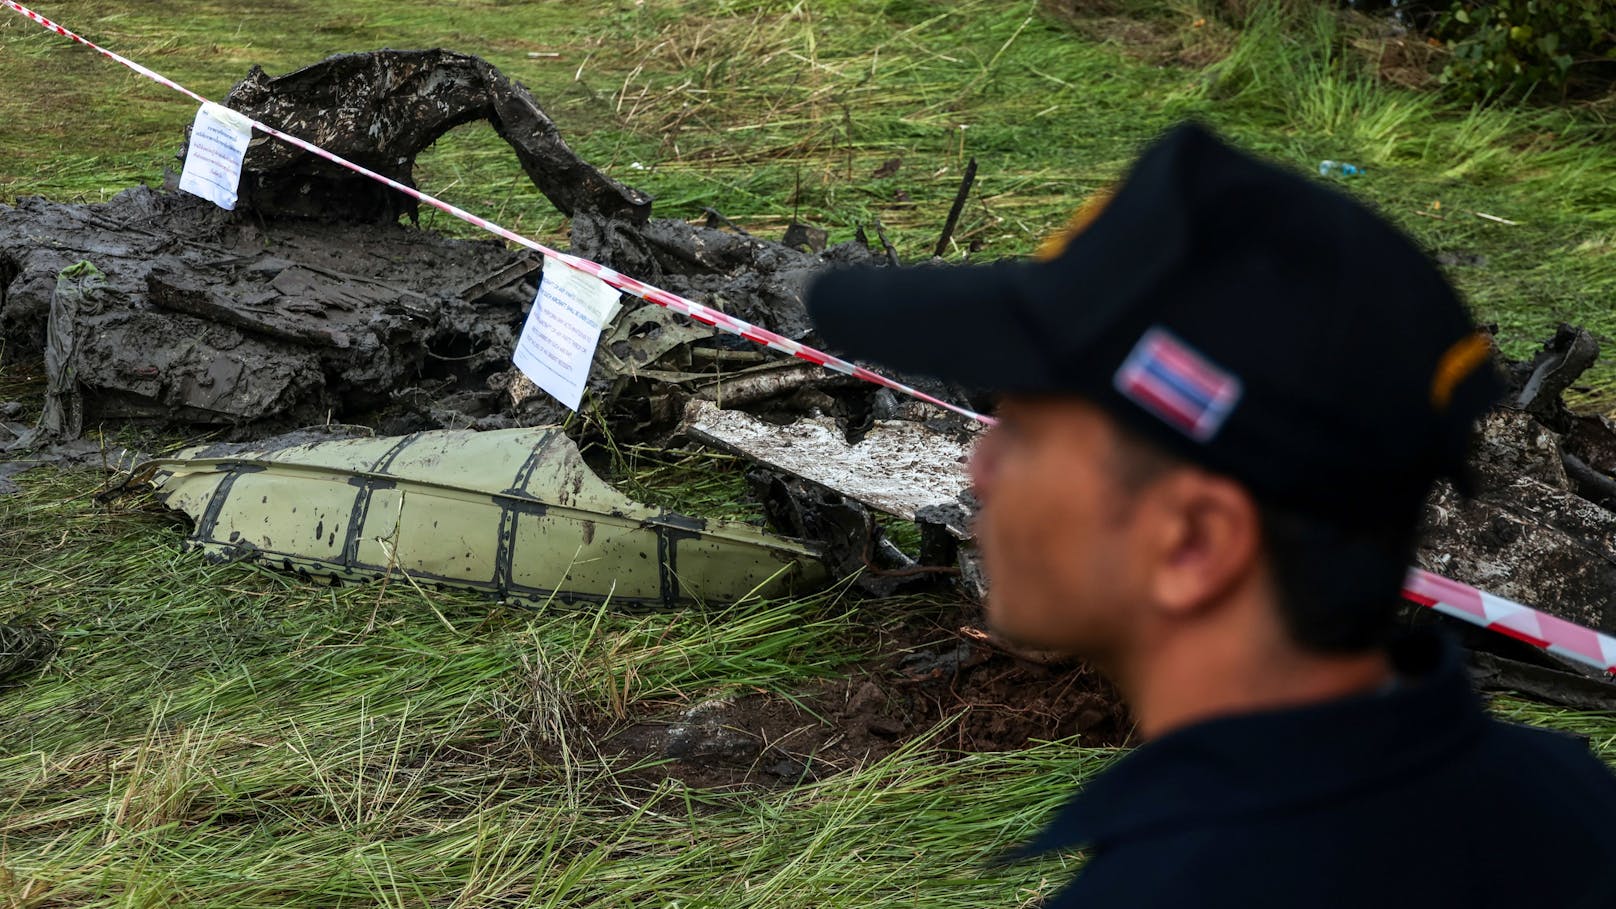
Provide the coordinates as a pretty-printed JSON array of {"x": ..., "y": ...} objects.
[{"x": 515, "y": 512}]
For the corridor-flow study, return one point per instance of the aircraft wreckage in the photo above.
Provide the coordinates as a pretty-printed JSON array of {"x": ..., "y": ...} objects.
[
  {"x": 312, "y": 303},
  {"x": 514, "y": 512}
]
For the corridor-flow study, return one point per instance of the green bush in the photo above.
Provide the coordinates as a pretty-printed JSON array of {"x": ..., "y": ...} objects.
[{"x": 1510, "y": 46}]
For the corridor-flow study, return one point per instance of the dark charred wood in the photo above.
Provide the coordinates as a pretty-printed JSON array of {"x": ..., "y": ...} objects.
[
  {"x": 380, "y": 110},
  {"x": 1562, "y": 360},
  {"x": 955, "y": 209}
]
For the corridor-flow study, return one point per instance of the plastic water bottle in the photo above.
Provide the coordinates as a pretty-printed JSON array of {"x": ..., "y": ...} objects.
[{"x": 1338, "y": 169}]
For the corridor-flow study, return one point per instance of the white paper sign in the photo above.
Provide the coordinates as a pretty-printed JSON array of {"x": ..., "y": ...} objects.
[
  {"x": 558, "y": 341},
  {"x": 213, "y": 159}
]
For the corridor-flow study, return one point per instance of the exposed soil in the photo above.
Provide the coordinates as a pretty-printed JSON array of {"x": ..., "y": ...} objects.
[
  {"x": 1157, "y": 41},
  {"x": 932, "y": 679}
]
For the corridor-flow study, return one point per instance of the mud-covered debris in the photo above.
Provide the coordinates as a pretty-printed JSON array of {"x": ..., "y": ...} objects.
[
  {"x": 706, "y": 732},
  {"x": 77, "y": 287},
  {"x": 296, "y": 308},
  {"x": 21, "y": 450},
  {"x": 1525, "y": 674},
  {"x": 1529, "y": 541},
  {"x": 850, "y": 541},
  {"x": 515, "y": 513},
  {"x": 201, "y": 318},
  {"x": 805, "y": 237},
  {"x": 754, "y": 279},
  {"x": 381, "y": 109},
  {"x": 1538, "y": 530},
  {"x": 1540, "y": 382},
  {"x": 644, "y": 337}
]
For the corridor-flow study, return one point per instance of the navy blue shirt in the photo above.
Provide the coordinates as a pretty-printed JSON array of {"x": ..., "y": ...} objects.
[{"x": 1411, "y": 797}]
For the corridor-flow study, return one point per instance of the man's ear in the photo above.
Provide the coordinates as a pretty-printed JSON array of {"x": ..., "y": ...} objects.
[{"x": 1207, "y": 540}]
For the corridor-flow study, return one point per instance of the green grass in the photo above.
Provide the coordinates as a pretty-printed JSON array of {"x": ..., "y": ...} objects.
[{"x": 227, "y": 735}]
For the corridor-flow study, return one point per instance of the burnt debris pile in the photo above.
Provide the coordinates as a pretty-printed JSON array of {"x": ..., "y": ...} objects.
[
  {"x": 1541, "y": 528},
  {"x": 313, "y": 304}
]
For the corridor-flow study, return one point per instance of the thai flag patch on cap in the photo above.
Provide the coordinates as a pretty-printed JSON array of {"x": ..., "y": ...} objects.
[{"x": 1173, "y": 381}]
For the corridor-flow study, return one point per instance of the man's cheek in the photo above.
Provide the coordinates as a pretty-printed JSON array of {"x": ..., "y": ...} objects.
[
  {"x": 984, "y": 464},
  {"x": 1009, "y": 537},
  {"x": 994, "y": 541}
]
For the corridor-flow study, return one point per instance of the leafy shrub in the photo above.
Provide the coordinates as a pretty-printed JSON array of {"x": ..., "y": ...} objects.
[{"x": 1503, "y": 46}]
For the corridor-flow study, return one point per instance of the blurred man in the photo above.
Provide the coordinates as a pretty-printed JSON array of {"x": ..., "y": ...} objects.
[{"x": 1227, "y": 391}]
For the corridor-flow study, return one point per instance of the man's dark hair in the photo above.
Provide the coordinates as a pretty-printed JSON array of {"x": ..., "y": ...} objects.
[{"x": 1337, "y": 587}]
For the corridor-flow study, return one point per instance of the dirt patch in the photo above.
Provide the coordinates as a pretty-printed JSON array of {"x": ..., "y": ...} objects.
[
  {"x": 1395, "y": 52},
  {"x": 1193, "y": 42},
  {"x": 933, "y": 679}
]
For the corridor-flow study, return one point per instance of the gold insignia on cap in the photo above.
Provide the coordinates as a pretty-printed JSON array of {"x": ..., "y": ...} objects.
[
  {"x": 1460, "y": 360},
  {"x": 1056, "y": 243}
]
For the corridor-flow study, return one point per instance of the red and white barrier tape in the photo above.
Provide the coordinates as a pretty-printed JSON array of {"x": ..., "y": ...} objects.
[
  {"x": 1556, "y": 635},
  {"x": 622, "y": 282}
]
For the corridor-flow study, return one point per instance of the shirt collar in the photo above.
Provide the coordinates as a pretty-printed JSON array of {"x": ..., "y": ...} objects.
[{"x": 1252, "y": 763}]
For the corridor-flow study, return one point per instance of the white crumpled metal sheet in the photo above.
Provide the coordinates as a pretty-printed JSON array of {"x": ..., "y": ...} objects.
[{"x": 899, "y": 467}]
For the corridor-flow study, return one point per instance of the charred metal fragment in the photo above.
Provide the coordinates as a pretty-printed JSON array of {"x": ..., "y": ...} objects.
[
  {"x": 817, "y": 485},
  {"x": 845, "y": 531},
  {"x": 195, "y": 319},
  {"x": 380, "y": 110},
  {"x": 748, "y": 277},
  {"x": 1549, "y": 374}
]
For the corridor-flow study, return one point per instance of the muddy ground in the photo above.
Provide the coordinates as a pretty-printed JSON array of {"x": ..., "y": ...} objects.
[{"x": 932, "y": 676}]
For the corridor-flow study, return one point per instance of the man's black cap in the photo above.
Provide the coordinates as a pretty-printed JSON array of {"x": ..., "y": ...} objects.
[{"x": 1247, "y": 318}]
